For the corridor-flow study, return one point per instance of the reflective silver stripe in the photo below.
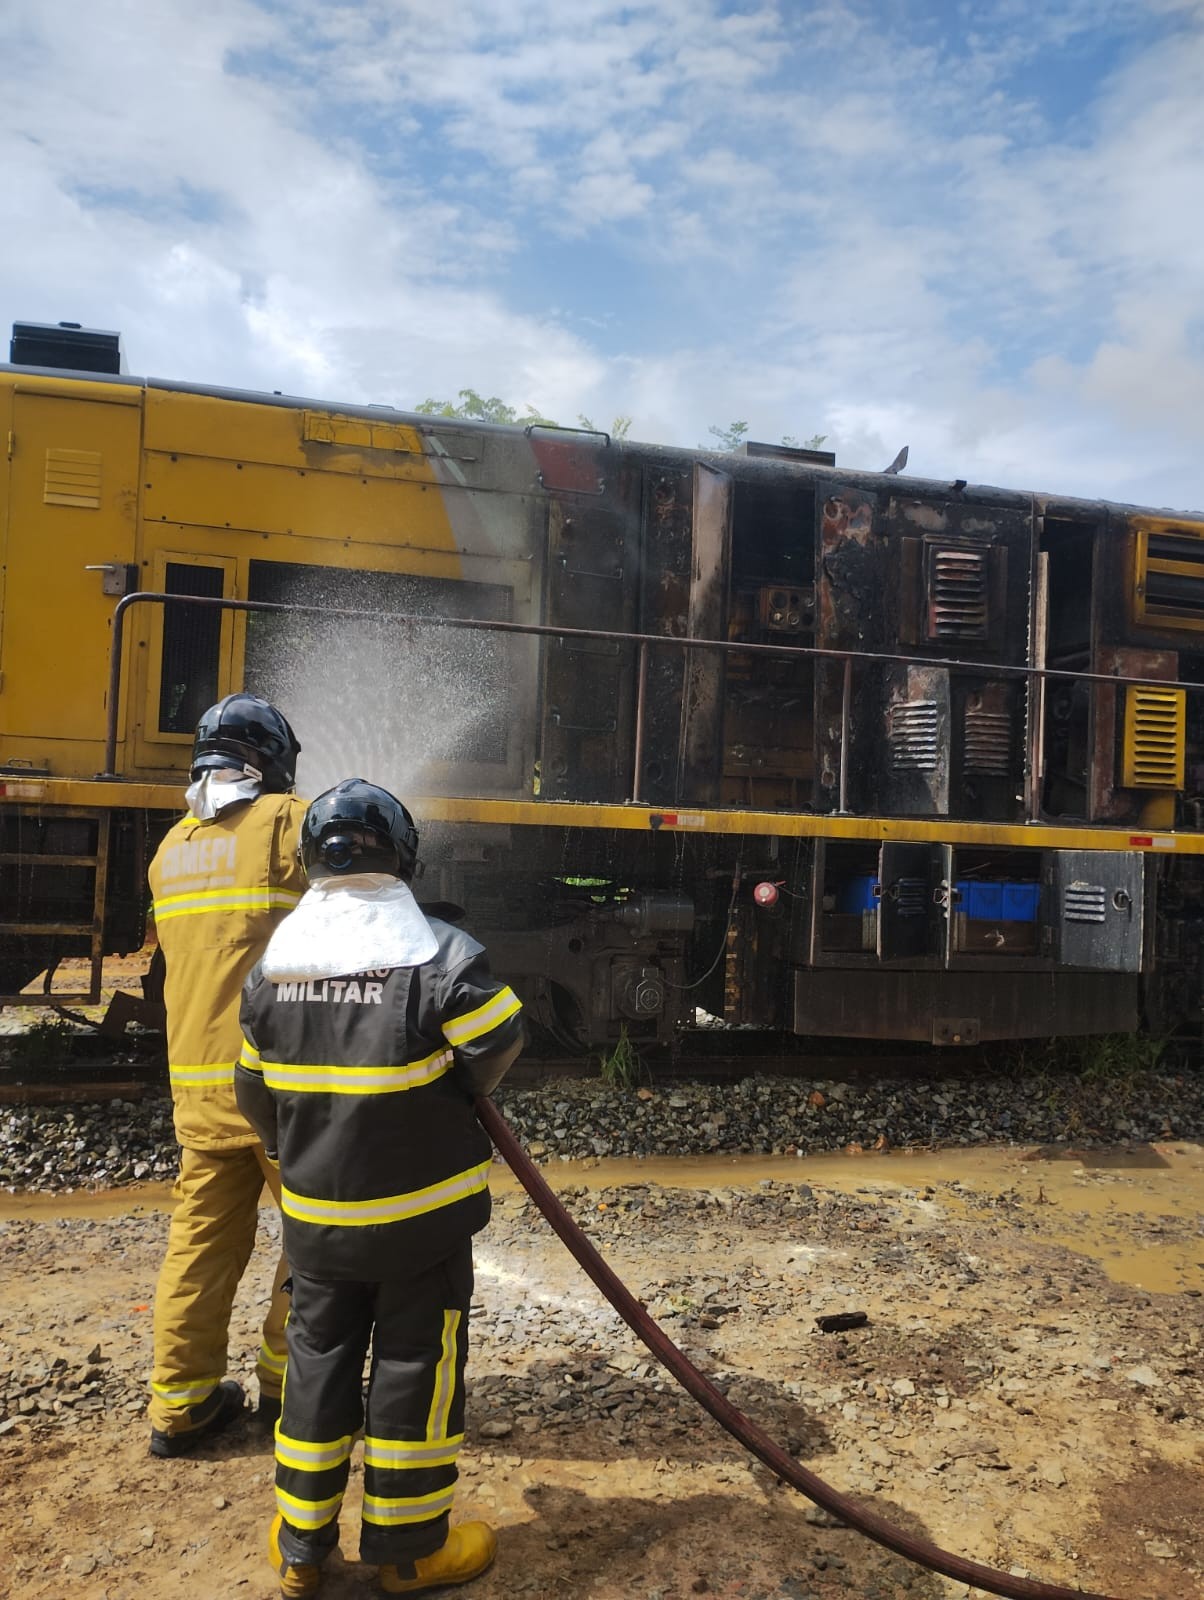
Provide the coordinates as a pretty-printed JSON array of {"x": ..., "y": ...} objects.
[
  {"x": 307, "y": 1513},
  {"x": 201, "y": 1077},
  {"x": 389, "y": 1208},
  {"x": 204, "y": 900},
  {"x": 306, "y": 1457},
  {"x": 407, "y": 1508},
  {"x": 270, "y": 1361},
  {"x": 356, "y": 1080},
  {"x": 185, "y": 1394},
  {"x": 400, "y": 1454},
  {"x": 461, "y": 1030},
  {"x": 445, "y": 1379}
]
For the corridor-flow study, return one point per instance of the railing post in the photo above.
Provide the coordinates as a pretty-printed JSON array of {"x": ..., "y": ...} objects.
[
  {"x": 641, "y": 692},
  {"x": 846, "y": 703}
]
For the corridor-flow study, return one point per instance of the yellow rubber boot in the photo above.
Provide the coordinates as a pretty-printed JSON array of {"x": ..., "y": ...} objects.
[
  {"x": 295, "y": 1582},
  {"x": 470, "y": 1549}
]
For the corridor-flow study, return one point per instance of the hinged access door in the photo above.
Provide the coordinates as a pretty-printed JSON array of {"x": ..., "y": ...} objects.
[
  {"x": 913, "y": 911},
  {"x": 1098, "y": 908}
]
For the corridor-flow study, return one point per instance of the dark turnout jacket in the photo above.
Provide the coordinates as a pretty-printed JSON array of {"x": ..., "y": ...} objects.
[{"x": 362, "y": 1086}]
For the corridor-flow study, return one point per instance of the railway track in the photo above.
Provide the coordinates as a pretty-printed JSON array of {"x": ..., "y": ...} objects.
[{"x": 92, "y": 1070}]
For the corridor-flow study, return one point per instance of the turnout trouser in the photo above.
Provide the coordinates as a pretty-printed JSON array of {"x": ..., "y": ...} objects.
[
  {"x": 209, "y": 1243},
  {"x": 417, "y": 1327}
]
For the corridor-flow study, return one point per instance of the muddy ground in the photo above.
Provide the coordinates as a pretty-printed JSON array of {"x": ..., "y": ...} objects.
[{"x": 1028, "y": 1390}]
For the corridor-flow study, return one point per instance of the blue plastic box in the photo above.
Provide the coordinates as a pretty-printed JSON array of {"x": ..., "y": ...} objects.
[
  {"x": 980, "y": 900},
  {"x": 856, "y": 895},
  {"x": 993, "y": 900},
  {"x": 1021, "y": 902}
]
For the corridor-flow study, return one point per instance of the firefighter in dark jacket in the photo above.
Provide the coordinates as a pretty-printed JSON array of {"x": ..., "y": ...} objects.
[{"x": 368, "y": 1030}]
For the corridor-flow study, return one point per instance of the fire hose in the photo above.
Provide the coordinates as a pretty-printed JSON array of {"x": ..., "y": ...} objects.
[{"x": 753, "y": 1438}]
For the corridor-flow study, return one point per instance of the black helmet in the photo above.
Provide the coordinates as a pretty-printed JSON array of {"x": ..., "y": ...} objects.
[
  {"x": 356, "y": 827},
  {"x": 244, "y": 731}
]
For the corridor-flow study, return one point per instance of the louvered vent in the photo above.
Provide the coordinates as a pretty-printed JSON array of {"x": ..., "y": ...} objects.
[
  {"x": 1170, "y": 577},
  {"x": 1085, "y": 902},
  {"x": 958, "y": 592},
  {"x": 914, "y": 736},
  {"x": 911, "y": 897},
  {"x": 988, "y": 742},
  {"x": 72, "y": 479},
  {"x": 1155, "y": 721}
]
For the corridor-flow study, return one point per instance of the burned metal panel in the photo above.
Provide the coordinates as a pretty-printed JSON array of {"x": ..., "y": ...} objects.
[
  {"x": 914, "y": 770},
  {"x": 852, "y": 571},
  {"x": 913, "y": 885},
  {"x": 664, "y": 604},
  {"x": 586, "y": 733},
  {"x": 1107, "y": 800},
  {"x": 962, "y": 577},
  {"x": 1097, "y": 912},
  {"x": 989, "y": 721},
  {"x": 952, "y": 1008},
  {"x": 700, "y": 750}
]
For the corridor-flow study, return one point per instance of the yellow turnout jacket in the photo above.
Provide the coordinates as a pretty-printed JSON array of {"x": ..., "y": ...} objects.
[{"x": 220, "y": 887}]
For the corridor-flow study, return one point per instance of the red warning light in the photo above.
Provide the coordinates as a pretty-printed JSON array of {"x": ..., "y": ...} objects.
[{"x": 766, "y": 894}]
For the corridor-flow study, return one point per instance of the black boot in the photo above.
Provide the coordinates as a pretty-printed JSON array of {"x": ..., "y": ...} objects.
[{"x": 215, "y": 1412}]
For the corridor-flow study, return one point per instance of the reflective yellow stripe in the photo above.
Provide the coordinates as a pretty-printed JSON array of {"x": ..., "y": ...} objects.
[
  {"x": 270, "y": 1361},
  {"x": 307, "y": 1457},
  {"x": 248, "y": 1056},
  {"x": 201, "y": 1077},
  {"x": 203, "y": 900},
  {"x": 307, "y": 1513},
  {"x": 356, "y": 1080},
  {"x": 388, "y": 1208},
  {"x": 409, "y": 1508},
  {"x": 403, "y": 1453},
  {"x": 460, "y": 1030},
  {"x": 185, "y": 1394},
  {"x": 445, "y": 1379}
]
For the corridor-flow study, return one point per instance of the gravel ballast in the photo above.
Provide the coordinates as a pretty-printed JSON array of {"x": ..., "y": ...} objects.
[{"x": 55, "y": 1148}]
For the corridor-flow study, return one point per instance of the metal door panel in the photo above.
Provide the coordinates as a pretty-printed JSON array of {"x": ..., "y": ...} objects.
[{"x": 1098, "y": 907}]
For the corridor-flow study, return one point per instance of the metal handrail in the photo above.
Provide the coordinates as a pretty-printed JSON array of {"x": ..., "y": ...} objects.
[{"x": 644, "y": 641}]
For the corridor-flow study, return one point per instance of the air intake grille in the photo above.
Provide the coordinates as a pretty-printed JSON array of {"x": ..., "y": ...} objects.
[
  {"x": 72, "y": 479},
  {"x": 958, "y": 593},
  {"x": 1085, "y": 902},
  {"x": 1170, "y": 577},
  {"x": 1155, "y": 721},
  {"x": 988, "y": 742},
  {"x": 914, "y": 734}
]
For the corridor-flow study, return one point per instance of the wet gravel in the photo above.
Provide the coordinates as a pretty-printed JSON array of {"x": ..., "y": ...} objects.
[{"x": 55, "y": 1148}]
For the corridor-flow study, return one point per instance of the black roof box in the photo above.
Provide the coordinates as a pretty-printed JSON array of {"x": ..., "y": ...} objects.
[{"x": 65, "y": 344}]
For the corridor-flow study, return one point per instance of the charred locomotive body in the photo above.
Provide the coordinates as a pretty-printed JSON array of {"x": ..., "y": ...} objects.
[{"x": 831, "y": 752}]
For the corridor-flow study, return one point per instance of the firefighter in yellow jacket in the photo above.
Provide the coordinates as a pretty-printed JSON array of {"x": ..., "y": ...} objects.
[{"x": 222, "y": 879}]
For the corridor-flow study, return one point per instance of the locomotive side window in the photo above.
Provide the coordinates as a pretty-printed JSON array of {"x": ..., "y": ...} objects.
[{"x": 191, "y": 648}]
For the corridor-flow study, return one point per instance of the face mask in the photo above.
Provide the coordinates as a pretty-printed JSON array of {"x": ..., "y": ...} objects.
[{"x": 214, "y": 791}]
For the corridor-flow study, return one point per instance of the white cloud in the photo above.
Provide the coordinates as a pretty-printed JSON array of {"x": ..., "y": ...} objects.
[{"x": 842, "y": 217}]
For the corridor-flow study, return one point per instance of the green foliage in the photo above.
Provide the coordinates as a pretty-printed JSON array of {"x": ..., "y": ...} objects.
[
  {"x": 736, "y": 434},
  {"x": 43, "y": 1044},
  {"x": 1072, "y": 1075},
  {"x": 730, "y": 438},
  {"x": 476, "y": 406},
  {"x": 622, "y": 1066},
  {"x": 619, "y": 428}
]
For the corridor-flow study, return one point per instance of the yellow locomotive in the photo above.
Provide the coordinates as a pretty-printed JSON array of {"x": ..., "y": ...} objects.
[{"x": 823, "y": 751}]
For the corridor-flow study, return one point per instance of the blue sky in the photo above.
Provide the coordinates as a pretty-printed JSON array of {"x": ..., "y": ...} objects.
[{"x": 974, "y": 228}]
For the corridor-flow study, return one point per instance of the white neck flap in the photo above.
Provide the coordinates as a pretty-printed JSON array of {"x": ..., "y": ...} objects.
[{"x": 353, "y": 924}]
